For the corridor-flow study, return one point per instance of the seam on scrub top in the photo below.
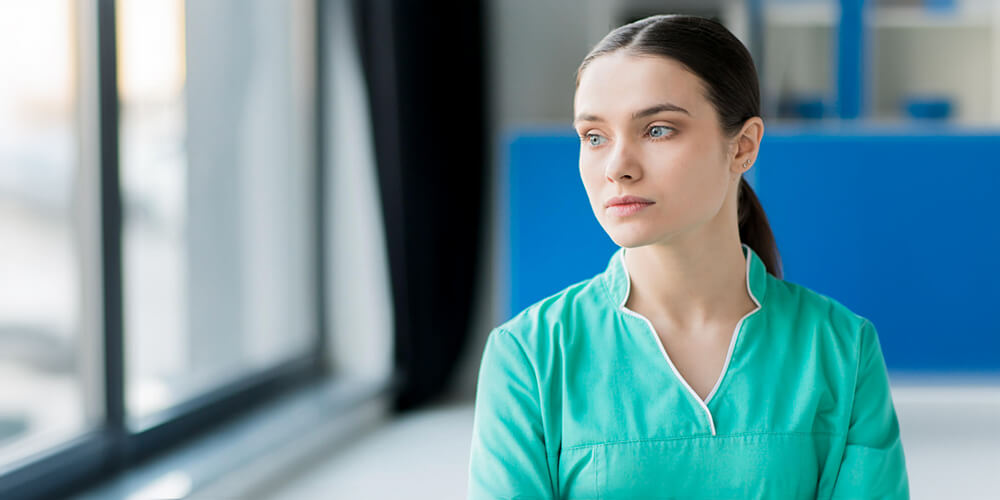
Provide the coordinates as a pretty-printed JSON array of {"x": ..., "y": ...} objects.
[
  {"x": 527, "y": 360},
  {"x": 857, "y": 371},
  {"x": 700, "y": 436},
  {"x": 597, "y": 472},
  {"x": 538, "y": 386}
]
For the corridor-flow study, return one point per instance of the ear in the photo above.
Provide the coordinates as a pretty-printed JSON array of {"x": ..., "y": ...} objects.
[{"x": 746, "y": 145}]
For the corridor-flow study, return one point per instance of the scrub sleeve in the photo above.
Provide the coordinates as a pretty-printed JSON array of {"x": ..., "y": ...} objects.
[
  {"x": 873, "y": 465},
  {"x": 508, "y": 457}
]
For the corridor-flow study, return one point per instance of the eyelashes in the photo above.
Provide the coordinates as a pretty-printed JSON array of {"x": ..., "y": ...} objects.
[
  {"x": 650, "y": 131},
  {"x": 666, "y": 134},
  {"x": 589, "y": 138}
]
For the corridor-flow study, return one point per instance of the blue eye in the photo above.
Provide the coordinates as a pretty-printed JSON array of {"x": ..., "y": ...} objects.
[
  {"x": 594, "y": 139},
  {"x": 657, "y": 135}
]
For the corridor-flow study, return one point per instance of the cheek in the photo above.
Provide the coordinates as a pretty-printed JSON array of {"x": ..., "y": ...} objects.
[
  {"x": 690, "y": 179},
  {"x": 592, "y": 177},
  {"x": 709, "y": 185}
]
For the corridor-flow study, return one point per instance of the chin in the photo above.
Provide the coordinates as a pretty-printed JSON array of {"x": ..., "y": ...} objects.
[{"x": 629, "y": 237}]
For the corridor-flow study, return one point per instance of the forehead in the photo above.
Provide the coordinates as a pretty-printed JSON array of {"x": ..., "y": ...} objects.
[{"x": 620, "y": 83}]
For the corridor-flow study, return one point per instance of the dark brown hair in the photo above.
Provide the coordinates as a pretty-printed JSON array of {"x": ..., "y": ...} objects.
[{"x": 726, "y": 69}]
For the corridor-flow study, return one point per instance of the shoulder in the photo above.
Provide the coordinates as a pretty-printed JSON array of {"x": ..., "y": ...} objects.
[
  {"x": 543, "y": 325},
  {"x": 811, "y": 310}
]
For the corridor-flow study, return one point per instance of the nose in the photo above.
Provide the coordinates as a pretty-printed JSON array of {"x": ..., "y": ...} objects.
[{"x": 622, "y": 165}]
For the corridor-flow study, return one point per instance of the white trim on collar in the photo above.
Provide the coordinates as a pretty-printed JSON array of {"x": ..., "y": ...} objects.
[{"x": 732, "y": 343}]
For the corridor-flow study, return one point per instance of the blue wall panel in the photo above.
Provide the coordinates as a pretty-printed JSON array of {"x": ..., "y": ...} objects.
[
  {"x": 555, "y": 238},
  {"x": 899, "y": 225}
]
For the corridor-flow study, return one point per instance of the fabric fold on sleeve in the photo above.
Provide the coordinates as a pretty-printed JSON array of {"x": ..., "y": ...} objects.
[{"x": 873, "y": 464}]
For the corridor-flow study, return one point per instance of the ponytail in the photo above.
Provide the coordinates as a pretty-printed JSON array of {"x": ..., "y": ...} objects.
[{"x": 755, "y": 231}]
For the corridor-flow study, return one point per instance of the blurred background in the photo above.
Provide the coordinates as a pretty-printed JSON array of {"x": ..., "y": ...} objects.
[{"x": 253, "y": 248}]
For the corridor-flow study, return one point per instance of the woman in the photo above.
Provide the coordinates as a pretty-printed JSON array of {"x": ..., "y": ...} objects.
[{"x": 688, "y": 368}]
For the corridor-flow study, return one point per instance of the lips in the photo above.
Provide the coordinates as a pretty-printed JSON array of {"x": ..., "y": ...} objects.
[
  {"x": 624, "y": 206},
  {"x": 627, "y": 200}
]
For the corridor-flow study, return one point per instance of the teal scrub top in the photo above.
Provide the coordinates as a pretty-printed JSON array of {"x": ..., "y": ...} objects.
[{"x": 577, "y": 398}]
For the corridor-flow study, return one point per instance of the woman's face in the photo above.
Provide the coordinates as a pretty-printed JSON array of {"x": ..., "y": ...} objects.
[{"x": 647, "y": 130}]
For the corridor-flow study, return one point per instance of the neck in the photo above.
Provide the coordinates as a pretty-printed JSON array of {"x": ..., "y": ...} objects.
[{"x": 689, "y": 285}]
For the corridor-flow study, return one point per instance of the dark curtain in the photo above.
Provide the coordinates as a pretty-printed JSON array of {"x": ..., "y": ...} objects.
[{"x": 424, "y": 66}]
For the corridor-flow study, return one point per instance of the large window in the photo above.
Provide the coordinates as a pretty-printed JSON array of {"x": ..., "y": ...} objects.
[
  {"x": 216, "y": 189},
  {"x": 159, "y": 225}
]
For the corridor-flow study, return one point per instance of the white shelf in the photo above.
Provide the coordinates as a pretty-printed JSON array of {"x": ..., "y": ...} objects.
[
  {"x": 970, "y": 14},
  {"x": 915, "y": 17},
  {"x": 954, "y": 51},
  {"x": 806, "y": 14}
]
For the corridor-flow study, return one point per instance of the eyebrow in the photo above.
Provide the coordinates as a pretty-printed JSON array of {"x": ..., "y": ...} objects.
[{"x": 659, "y": 108}]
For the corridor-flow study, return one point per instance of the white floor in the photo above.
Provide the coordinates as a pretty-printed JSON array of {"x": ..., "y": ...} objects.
[
  {"x": 950, "y": 436},
  {"x": 427, "y": 452}
]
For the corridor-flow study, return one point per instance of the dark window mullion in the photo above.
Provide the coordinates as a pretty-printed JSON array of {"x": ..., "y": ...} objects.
[
  {"x": 111, "y": 230},
  {"x": 321, "y": 12}
]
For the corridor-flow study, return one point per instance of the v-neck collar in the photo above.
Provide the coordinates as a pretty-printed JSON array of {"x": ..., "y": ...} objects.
[{"x": 619, "y": 285}]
